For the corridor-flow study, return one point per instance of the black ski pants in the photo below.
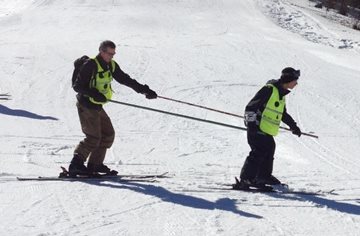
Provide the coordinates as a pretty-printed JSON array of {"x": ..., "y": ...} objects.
[{"x": 259, "y": 163}]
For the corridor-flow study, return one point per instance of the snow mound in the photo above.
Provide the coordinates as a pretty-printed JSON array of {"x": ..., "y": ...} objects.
[{"x": 295, "y": 19}]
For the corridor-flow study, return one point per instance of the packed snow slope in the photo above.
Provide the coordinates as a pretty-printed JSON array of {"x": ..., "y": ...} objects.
[{"x": 215, "y": 53}]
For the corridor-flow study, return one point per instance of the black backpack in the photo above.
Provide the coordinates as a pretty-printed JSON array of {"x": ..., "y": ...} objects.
[{"x": 78, "y": 63}]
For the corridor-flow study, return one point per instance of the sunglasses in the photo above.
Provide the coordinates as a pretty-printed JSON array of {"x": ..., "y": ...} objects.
[{"x": 109, "y": 53}]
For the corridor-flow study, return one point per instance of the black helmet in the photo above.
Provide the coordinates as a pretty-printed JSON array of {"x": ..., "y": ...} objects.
[{"x": 289, "y": 74}]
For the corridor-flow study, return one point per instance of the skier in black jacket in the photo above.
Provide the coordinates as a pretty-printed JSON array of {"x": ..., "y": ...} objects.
[
  {"x": 93, "y": 85},
  {"x": 263, "y": 115}
]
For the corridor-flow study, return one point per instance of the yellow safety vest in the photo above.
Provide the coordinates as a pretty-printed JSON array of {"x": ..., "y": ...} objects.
[
  {"x": 273, "y": 112},
  {"x": 102, "y": 81}
]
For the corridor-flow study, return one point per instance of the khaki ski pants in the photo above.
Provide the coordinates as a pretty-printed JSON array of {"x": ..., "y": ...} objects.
[{"x": 99, "y": 132}]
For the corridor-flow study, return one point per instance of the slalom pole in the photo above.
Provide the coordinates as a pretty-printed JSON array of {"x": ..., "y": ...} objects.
[
  {"x": 179, "y": 115},
  {"x": 226, "y": 113},
  {"x": 204, "y": 107},
  {"x": 306, "y": 134}
]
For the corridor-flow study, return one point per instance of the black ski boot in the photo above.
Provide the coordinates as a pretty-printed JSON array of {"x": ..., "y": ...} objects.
[
  {"x": 271, "y": 180},
  {"x": 241, "y": 184},
  {"x": 77, "y": 167},
  {"x": 274, "y": 181},
  {"x": 101, "y": 168},
  {"x": 251, "y": 185}
]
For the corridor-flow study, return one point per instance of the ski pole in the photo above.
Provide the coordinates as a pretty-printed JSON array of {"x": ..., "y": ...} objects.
[
  {"x": 179, "y": 115},
  {"x": 224, "y": 112}
]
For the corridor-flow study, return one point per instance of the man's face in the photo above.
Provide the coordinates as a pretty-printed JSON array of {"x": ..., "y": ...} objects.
[
  {"x": 108, "y": 54},
  {"x": 291, "y": 84}
]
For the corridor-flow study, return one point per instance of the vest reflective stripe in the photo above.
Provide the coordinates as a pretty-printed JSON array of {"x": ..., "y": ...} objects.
[
  {"x": 273, "y": 112},
  {"x": 102, "y": 81}
]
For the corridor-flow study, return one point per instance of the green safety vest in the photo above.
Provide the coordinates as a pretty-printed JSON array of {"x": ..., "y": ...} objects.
[
  {"x": 102, "y": 81},
  {"x": 273, "y": 112}
]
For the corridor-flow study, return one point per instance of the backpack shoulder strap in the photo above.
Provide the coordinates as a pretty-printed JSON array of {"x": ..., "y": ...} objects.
[{"x": 94, "y": 72}]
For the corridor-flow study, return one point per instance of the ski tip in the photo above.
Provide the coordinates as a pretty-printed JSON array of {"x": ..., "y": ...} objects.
[{"x": 164, "y": 175}]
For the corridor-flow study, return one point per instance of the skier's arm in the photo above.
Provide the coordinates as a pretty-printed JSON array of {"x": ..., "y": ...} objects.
[
  {"x": 258, "y": 102},
  {"x": 123, "y": 78},
  {"x": 287, "y": 119},
  {"x": 255, "y": 107}
]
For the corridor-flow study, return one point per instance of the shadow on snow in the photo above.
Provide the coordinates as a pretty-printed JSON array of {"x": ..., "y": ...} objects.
[
  {"x": 225, "y": 204},
  {"x": 322, "y": 202},
  {"x": 22, "y": 113}
]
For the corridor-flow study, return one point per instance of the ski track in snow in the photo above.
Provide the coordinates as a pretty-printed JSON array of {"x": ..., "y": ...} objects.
[{"x": 213, "y": 53}]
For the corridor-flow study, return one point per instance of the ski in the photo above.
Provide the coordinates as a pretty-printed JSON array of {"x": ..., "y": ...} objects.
[
  {"x": 272, "y": 191},
  {"x": 114, "y": 174},
  {"x": 64, "y": 176},
  {"x": 144, "y": 176},
  {"x": 5, "y": 96},
  {"x": 85, "y": 179},
  {"x": 279, "y": 189},
  {"x": 99, "y": 177}
]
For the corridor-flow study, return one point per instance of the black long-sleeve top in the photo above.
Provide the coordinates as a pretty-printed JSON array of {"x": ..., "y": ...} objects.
[
  {"x": 82, "y": 82},
  {"x": 258, "y": 102}
]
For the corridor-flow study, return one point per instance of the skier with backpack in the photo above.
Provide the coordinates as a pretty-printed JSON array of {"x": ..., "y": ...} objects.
[
  {"x": 263, "y": 115},
  {"x": 91, "y": 80}
]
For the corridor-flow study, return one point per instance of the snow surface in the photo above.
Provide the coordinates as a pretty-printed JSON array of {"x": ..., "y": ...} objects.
[{"x": 213, "y": 53}]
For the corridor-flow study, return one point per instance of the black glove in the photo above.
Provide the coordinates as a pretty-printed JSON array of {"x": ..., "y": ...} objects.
[
  {"x": 296, "y": 130},
  {"x": 150, "y": 94},
  {"x": 97, "y": 96}
]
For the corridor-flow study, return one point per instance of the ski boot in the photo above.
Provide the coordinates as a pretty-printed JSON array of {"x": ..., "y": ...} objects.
[
  {"x": 271, "y": 180},
  {"x": 100, "y": 169},
  {"x": 77, "y": 167},
  {"x": 241, "y": 184},
  {"x": 251, "y": 185}
]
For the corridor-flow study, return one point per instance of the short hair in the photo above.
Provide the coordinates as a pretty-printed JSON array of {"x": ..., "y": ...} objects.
[{"x": 106, "y": 44}]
